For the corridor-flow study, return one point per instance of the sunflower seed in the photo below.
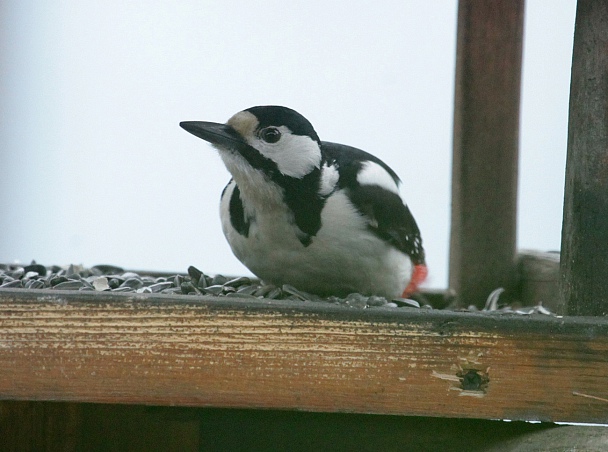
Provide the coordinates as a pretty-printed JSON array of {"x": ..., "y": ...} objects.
[
  {"x": 132, "y": 282},
  {"x": 124, "y": 289},
  {"x": 159, "y": 287},
  {"x": 237, "y": 282},
  {"x": 12, "y": 284},
  {"x": 34, "y": 284},
  {"x": 195, "y": 274},
  {"x": 247, "y": 290},
  {"x": 148, "y": 280},
  {"x": 296, "y": 293},
  {"x": 58, "y": 280},
  {"x": 186, "y": 287},
  {"x": 542, "y": 310},
  {"x": 106, "y": 269},
  {"x": 219, "y": 280},
  {"x": 114, "y": 283},
  {"x": 18, "y": 273},
  {"x": 240, "y": 295},
  {"x": 214, "y": 290},
  {"x": 71, "y": 270},
  {"x": 275, "y": 293},
  {"x": 262, "y": 291},
  {"x": 69, "y": 285},
  {"x": 87, "y": 285},
  {"x": 406, "y": 302},
  {"x": 40, "y": 269}
]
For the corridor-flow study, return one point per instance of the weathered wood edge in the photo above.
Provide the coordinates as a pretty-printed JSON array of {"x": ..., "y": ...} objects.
[
  {"x": 227, "y": 352},
  {"x": 484, "y": 321}
]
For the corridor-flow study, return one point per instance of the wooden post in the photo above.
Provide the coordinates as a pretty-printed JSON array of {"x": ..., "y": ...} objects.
[
  {"x": 584, "y": 263},
  {"x": 486, "y": 133}
]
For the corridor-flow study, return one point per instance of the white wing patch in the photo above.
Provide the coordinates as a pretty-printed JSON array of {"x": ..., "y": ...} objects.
[
  {"x": 373, "y": 174},
  {"x": 329, "y": 179}
]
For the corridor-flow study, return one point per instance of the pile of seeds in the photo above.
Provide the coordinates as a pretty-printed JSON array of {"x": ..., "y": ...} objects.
[{"x": 115, "y": 279}]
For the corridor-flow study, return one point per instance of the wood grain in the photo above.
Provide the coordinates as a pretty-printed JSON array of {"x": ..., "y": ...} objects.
[
  {"x": 151, "y": 349},
  {"x": 486, "y": 136},
  {"x": 584, "y": 264}
]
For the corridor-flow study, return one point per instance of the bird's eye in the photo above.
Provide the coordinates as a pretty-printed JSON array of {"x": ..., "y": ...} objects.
[{"x": 270, "y": 134}]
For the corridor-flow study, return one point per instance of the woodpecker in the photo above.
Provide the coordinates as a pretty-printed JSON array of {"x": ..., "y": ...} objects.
[{"x": 324, "y": 217}]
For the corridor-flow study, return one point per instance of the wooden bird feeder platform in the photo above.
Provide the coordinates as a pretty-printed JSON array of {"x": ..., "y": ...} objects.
[{"x": 111, "y": 371}]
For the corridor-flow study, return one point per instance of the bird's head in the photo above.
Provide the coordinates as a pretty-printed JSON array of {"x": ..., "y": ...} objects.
[{"x": 277, "y": 141}]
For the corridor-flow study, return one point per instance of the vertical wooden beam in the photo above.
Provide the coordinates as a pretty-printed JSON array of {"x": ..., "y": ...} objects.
[
  {"x": 584, "y": 263},
  {"x": 486, "y": 135}
]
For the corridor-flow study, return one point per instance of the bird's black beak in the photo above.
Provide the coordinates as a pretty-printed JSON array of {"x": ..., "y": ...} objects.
[{"x": 214, "y": 133}]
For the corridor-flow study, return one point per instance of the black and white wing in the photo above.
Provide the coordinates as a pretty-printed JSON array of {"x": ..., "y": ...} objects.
[{"x": 373, "y": 188}]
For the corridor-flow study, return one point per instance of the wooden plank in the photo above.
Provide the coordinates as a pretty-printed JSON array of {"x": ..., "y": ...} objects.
[
  {"x": 187, "y": 351},
  {"x": 585, "y": 228},
  {"x": 486, "y": 134}
]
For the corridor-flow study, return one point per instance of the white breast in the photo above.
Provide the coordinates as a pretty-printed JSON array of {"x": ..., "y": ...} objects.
[{"x": 343, "y": 257}]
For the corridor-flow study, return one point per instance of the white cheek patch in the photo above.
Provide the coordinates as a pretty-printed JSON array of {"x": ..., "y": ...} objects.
[
  {"x": 295, "y": 155},
  {"x": 329, "y": 179},
  {"x": 373, "y": 174}
]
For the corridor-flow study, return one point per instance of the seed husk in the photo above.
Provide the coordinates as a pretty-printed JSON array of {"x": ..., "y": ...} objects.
[
  {"x": 160, "y": 286},
  {"x": 237, "y": 282},
  {"x": 101, "y": 283},
  {"x": 69, "y": 285},
  {"x": 11, "y": 284},
  {"x": 300, "y": 295},
  {"x": 195, "y": 274},
  {"x": 132, "y": 282},
  {"x": 214, "y": 290},
  {"x": 406, "y": 302},
  {"x": 275, "y": 293},
  {"x": 40, "y": 269}
]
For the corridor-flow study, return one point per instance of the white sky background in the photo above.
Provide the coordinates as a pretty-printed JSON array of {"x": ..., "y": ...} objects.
[{"x": 95, "y": 169}]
